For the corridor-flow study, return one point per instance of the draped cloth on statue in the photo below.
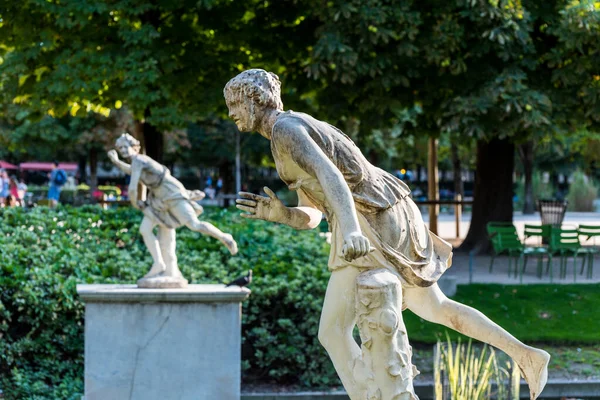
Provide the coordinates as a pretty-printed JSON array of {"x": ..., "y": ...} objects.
[{"x": 387, "y": 215}]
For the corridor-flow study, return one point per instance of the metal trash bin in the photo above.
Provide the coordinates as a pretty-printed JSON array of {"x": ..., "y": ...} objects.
[{"x": 552, "y": 212}]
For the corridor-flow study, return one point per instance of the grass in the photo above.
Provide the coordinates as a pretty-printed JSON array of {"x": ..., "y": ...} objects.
[
  {"x": 553, "y": 314},
  {"x": 567, "y": 362},
  {"x": 575, "y": 362}
]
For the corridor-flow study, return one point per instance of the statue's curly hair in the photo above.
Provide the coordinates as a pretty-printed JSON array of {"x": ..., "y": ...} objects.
[
  {"x": 257, "y": 84},
  {"x": 130, "y": 140}
]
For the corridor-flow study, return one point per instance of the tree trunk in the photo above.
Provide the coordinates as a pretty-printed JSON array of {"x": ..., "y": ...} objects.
[
  {"x": 82, "y": 175},
  {"x": 153, "y": 140},
  {"x": 433, "y": 189},
  {"x": 457, "y": 171},
  {"x": 526, "y": 152},
  {"x": 493, "y": 191},
  {"x": 93, "y": 169},
  {"x": 419, "y": 176},
  {"x": 225, "y": 172},
  {"x": 238, "y": 163}
]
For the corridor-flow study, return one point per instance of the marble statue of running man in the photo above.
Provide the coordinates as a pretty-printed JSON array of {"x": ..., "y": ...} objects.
[{"x": 383, "y": 258}]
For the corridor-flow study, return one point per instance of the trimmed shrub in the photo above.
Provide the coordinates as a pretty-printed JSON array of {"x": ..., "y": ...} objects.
[
  {"x": 44, "y": 253},
  {"x": 582, "y": 193}
]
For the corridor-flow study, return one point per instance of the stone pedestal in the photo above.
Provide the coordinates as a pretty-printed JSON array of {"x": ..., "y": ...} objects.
[{"x": 159, "y": 344}]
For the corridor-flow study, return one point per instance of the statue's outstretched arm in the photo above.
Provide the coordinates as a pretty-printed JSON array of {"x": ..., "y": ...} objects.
[
  {"x": 123, "y": 166},
  {"x": 134, "y": 196},
  {"x": 270, "y": 208},
  {"x": 311, "y": 215}
]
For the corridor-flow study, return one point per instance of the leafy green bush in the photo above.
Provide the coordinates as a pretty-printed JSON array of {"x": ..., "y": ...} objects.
[
  {"x": 45, "y": 253},
  {"x": 582, "y": 193}
]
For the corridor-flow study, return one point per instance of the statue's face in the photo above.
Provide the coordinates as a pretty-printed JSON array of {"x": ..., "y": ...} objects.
[
  {"x": 125, "y": 150},
  {"x": 242, "y": 113}
]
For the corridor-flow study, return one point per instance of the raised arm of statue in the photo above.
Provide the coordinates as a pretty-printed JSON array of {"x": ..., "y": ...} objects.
[
  {"x": 123, "y": 166},
  {"x": 136, "y": 172},
  {"x": 293, "y": 139}
]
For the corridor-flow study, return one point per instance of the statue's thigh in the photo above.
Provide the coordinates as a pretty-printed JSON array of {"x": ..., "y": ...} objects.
[
  {"x": 184, "y": 213},
  {"x": 339, "y": 304}
]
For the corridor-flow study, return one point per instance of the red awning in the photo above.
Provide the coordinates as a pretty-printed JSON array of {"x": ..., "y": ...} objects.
[
  {"x": 47, "y": 166},
  {"x": 7, "y": 165}
]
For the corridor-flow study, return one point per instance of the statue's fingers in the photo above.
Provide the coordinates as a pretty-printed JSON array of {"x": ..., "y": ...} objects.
[
  {"x": 250, "y": 210},
  {"x": 245, "y": 202},
  {"x": 250, "y": 196},
  {"x": 364, "y": 249},
  {"x": 249, "y": 216},
  {"x": 356, "y": 244},
  {"x": 348, "y": 251},
  {"x": 270, "y": 193}
]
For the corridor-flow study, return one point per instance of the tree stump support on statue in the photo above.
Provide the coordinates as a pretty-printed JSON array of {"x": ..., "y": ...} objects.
[{"x": 386, "y": 352}]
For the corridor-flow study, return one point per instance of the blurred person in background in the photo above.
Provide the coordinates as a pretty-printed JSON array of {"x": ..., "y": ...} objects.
[{"x": 58, "y": 178}]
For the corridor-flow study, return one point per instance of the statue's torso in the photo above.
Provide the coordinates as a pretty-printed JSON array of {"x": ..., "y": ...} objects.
[
  {"x": 390, "y": 220},
  {"x": 373, "y": 189}
]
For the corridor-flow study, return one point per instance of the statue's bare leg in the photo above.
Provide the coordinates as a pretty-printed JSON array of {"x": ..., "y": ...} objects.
[
  {"x": 338, "y": 319},
  {"x": 166, "y": 240},
  {"x": 153, "y": 246},
  {"x": 186, "y": 214},
  {"x": 431, "y": 304}
]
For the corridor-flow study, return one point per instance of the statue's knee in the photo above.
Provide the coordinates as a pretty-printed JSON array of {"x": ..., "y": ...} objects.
[
  {"x": 322, "y": 336},
  {"x": 144, "y": 230},
  {"x": 389, "y": 321},
  {"x": 199, "y": 226},
  {"x": 325, "y": 335}
]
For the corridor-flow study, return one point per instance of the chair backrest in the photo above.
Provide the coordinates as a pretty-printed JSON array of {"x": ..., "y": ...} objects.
[
  {"x": 537, "y": 230},
  {"x": 564, "y": 239},
  {"x": 503, "y": 236},
  {"x": 589, "y": 231}
]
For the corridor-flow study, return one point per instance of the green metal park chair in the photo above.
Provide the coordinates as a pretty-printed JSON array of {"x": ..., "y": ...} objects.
[
  {"x": 539, "y": 251},
  {"x": 565, "y": 243},
  {"x": 589, "y": 232},
  {"x": 505, "y": 240}
]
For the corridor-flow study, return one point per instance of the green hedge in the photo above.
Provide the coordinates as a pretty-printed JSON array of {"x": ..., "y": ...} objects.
[{"x": 44, "y": 253}]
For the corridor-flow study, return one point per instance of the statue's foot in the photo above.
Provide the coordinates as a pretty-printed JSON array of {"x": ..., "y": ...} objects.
[
  {"x": 230, "y": 243},
  {"x": 157, "y": 269},
  {"x": 534, "y": 368},
  {"x": 173, "y": 273},
  {"x": 162, "y": 281}
]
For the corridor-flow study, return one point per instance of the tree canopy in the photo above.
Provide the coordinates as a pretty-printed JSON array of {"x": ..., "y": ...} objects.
[{"x": 496, "y": 71}]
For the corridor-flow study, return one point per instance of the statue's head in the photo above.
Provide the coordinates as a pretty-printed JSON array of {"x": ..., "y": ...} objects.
[
  {"x": 127, "y": 145},
  {"x": 249, "y": 92}
]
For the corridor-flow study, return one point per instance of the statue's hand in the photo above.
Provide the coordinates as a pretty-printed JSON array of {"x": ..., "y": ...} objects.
[
  {"x": 356, "y": 245},
  {"x": 259, "y": 207},
  {"x": 113, "y": 156}
]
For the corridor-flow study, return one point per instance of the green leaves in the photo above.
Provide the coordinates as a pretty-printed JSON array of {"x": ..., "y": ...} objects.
[{"x": 45, "y": 253}]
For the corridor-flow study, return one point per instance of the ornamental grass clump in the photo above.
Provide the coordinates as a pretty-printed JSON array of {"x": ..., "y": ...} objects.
[{"x": 467, "y": 372}]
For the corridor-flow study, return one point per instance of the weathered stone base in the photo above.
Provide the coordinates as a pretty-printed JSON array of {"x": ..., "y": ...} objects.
[
  {"x": 157, "y": 344},
  {"x": 162, "y": 282}
]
